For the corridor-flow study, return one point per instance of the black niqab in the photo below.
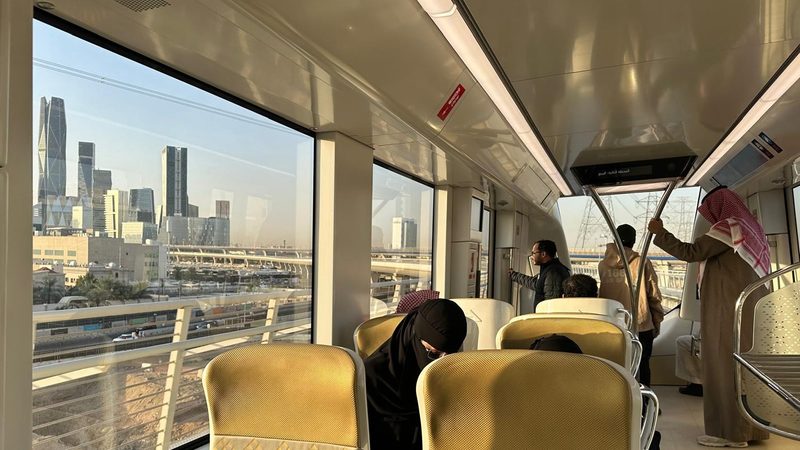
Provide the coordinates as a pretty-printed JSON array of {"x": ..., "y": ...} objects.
[{"x": 392, "y": 371}]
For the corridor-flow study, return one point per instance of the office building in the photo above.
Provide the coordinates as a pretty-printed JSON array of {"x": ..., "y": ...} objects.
[
  {"x": 101, "y": 183},
  {"x": 139, "y": 232},
  {"x": 85, "y": 169},
  {"x": 194, "y": 211},
  {"x": 211, "y": 231},
  {"x": 52, "y": 149},
  {"x": 223, "y": 209},
  {"x": 174, "y": 194},
  {"x": 404, "y": 233},
  {"x": 116, "y": 212},
  {"x": 143, "y": 205},
  {"x": 83, "y": 216}
]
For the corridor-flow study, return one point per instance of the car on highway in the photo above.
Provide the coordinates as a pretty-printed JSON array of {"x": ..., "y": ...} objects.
[
  {"x": 125, "y": 337},
  {"x": 206, "y": 324}
]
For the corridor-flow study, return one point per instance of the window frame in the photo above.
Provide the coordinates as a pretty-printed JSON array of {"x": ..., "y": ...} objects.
[
  {"x": 387, "y": 166},
  {"x": 127, "y": 53}
]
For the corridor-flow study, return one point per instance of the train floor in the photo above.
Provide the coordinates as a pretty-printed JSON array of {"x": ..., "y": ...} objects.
[{"x": 681, "y": 421}]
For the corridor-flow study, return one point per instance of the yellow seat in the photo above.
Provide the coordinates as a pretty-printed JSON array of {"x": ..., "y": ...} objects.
[
  {"x": 293, "y": 396},
  {"x": 370, "y": 335},
  {"x": 596, "y": 335},
  {"x": 523, "y": 399}
]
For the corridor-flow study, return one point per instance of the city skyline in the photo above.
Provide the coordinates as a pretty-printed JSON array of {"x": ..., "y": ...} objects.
[{"x": 263, "y": 169}]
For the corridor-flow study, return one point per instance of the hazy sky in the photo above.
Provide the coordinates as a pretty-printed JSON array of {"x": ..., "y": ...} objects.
[
  {"x": 627, "y": 208},
  {"x": 131, "y": 112}
]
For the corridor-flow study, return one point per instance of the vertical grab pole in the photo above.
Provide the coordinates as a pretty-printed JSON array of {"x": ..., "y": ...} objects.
[
  {"x": 610, "y": 222},
  {"x": 648, "y": 236}
]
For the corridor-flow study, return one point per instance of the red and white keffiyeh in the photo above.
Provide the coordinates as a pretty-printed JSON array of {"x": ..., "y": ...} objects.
[
  {"x": 414, "y": 299},
  {"x": 734, "y": 225}
]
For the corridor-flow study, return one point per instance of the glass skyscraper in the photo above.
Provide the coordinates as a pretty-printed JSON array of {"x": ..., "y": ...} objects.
[
  {"x": 52, "y": 149},
  {"x": 85, "y": 169},
  {"x": 143, "y": 205},
  {"x": 174, "y": 196}
]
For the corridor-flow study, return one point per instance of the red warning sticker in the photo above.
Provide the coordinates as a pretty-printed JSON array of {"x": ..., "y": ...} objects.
[{"x": 451, "y": 102}]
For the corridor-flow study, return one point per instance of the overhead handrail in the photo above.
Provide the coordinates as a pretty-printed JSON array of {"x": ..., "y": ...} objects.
[
  {"x": 634, "y": 288},
  {"x": 765, "y": 378}
]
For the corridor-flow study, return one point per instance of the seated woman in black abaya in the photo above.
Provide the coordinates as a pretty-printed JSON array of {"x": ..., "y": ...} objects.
[{"x": 427, "y": 333}]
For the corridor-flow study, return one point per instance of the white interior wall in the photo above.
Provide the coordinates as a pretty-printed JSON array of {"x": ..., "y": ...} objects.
[{"x": 15, "y": 224}]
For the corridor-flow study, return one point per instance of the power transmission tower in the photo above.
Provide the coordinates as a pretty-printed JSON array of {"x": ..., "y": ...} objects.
[
  {"x": 593, "y": 229},
  {"x": 682, "y": 210},
  {"x": 647, "y": 204}
]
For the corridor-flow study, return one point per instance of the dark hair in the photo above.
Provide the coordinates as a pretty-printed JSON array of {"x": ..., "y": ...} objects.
[
  {"x": 627, "y": 234},
  {"x": 580, "y": 285},
  {"x": 548, "y": 247},
  {"x": 721, "y": 186},
  {"x": 556, "y": 343}
]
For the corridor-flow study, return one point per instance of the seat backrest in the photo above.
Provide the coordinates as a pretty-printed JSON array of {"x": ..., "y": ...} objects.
[
  {"x": 596, "y": 335},
  {"x": 370, "y": 335},
  {"x": 524, "y": 399},
  {"x": 776, "y": 346},
  {"x": 416, "y": 298},
  {"x": 287, "y": 395},
  {"x": 489, "y": 314},
  {"x": 585, "y": 305}
]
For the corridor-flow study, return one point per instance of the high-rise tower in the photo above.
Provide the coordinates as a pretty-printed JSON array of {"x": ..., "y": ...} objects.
[
  {"x": 143, "y": 205},
  {"x": 52, "y": 149},
  {"x": 174, "y": 195},
  {"x": 223, "y": 209},
  {"x": 101, "y": 183},
  {"x": 85, "y": 169}
]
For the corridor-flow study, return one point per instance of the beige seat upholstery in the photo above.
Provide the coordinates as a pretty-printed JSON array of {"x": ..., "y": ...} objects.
[
  {"x": 489, "y": 315},
  {"x": 370, "y": 335},
  {"x": 287, "y": 396},
  {"x": 775, "y": 354},
  {"x": 596, "y": 335},
  {"x": 522, "y": 399},
  {"x": 586, "y": 305}
]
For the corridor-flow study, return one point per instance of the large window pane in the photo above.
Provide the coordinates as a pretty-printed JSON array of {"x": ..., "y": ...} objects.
[
  {"x": 402, "y": 238},
  {"x": 162, "y": 214},
  {"x": 587, "y": 233}
]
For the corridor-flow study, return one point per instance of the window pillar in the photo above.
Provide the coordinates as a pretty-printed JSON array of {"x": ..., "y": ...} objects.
[
  {"x": 343, "y": 238},
  {"x": 16, "y": 20}
]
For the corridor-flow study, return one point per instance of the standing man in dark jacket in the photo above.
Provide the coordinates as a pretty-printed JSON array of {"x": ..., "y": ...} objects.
[{"x": 548, "y": 283}]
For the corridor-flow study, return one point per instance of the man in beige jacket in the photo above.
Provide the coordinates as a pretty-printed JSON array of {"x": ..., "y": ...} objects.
[{"x": 614, "y": 286}]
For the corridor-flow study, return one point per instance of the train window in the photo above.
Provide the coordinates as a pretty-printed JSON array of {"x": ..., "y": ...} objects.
[
  {"x": 486, "y": 252},
  {"x": 186, "y": 218},
  {"x": 402, "y": 238},
  {"x": 587, "y": 233}
]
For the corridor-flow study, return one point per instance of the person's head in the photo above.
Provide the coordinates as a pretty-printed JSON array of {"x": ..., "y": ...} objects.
[
  {"x": 556, "y": 343},
  {"x": 441, "y": 328},
  {"x": 542, "y": 252},
  {"x": 579, "y": 285},
  {"x": 627, "y": 234},
  {"x": 722, "y": 203}
]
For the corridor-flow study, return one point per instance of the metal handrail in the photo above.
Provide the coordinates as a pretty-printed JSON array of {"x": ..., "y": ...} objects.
[
  {"x": 138, "y": 308},
  {"x": 650, "y": 416},
  {"x": 51, "y": 370},
  {"x": 761, "y": 376}
]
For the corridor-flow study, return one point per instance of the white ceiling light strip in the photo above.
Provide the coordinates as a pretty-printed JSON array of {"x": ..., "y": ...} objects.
[
  {"x": 785, "y": 80},
  {"x": 452, "y": 25}
]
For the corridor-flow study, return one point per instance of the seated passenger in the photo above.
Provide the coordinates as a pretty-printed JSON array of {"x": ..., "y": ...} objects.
[
  {"x": 580, "y": 285},
  {"x": 427, "y": 333},
  {"x": 688, "y": 365},
  {"x": 556, "y": 343}
]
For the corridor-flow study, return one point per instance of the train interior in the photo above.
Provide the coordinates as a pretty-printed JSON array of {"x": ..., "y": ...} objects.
[{"x": 192, "y": 177}]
